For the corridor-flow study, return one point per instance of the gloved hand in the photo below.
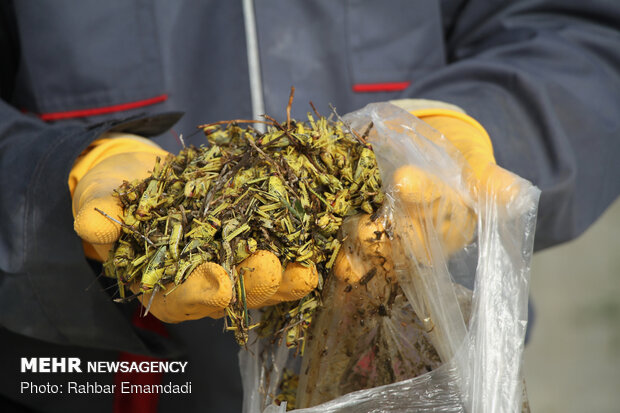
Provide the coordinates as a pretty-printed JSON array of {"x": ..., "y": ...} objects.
[
  {"x": 207, "y": 291},
  {"x": 428, "y": 200}
]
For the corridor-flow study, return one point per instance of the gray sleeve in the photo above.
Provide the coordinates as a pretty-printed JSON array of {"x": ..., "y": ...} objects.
[
  {"x": 543, "y": 77},
  {"x": 44, "y": 276},
  {"x": 43, "y": 272}
]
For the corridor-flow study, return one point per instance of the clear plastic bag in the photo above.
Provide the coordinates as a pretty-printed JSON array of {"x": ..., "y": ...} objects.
[{"x": 437, "y": 324}]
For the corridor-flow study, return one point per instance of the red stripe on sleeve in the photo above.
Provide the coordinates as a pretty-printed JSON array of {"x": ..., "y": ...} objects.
[
  {"x": 80, "y": 113},
  {"x": 381, "y": 87}
]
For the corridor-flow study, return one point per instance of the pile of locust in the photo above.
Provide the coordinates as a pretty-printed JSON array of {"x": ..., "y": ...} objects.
[{"x": 286, "y": 191}]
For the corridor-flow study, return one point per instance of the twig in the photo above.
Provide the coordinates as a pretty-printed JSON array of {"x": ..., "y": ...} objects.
[
  {"x": 129, "y": 227},
  {"x": 367, "y": 131},
  {"x": 353, "y": 132},
  {"x": 148, "y": 307},
  {"x": 314, "y": 109},
  {"x": 288, "y": 108},
  {"x": 226, "y": 122},
  {"x": 278, "y": 125}
]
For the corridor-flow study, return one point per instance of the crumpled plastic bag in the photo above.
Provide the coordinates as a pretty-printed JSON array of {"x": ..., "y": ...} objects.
[{"x": 441, "y": 329}]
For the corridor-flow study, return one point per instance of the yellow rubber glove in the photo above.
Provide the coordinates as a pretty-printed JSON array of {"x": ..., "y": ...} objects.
[
  {"x": 474, "y": 143},
  {"x": 428, "y": 199},
  {"x": 207, "y": 291},
  {"x": 96, "y": 173}
]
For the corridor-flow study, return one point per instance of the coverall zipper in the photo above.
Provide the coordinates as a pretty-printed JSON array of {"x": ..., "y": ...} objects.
[{"x": 251, "y": 40}]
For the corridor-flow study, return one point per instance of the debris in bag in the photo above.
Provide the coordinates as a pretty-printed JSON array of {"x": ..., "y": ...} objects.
[{"x": 366, "y": 335}]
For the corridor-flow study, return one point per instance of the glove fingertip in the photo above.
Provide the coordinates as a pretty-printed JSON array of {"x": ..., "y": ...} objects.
[
  {"x": 94, "y": 227},
  {"x": 297, "y": 282},
  {"x": 214, "y": 288},
  {"x": 344, "y": 269},
  {"x": 415, "y": 185},
  {"x": 262, "y": 272},
  {"x": 206, "y": 292},
  {"x": 500, "y": 184}
]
